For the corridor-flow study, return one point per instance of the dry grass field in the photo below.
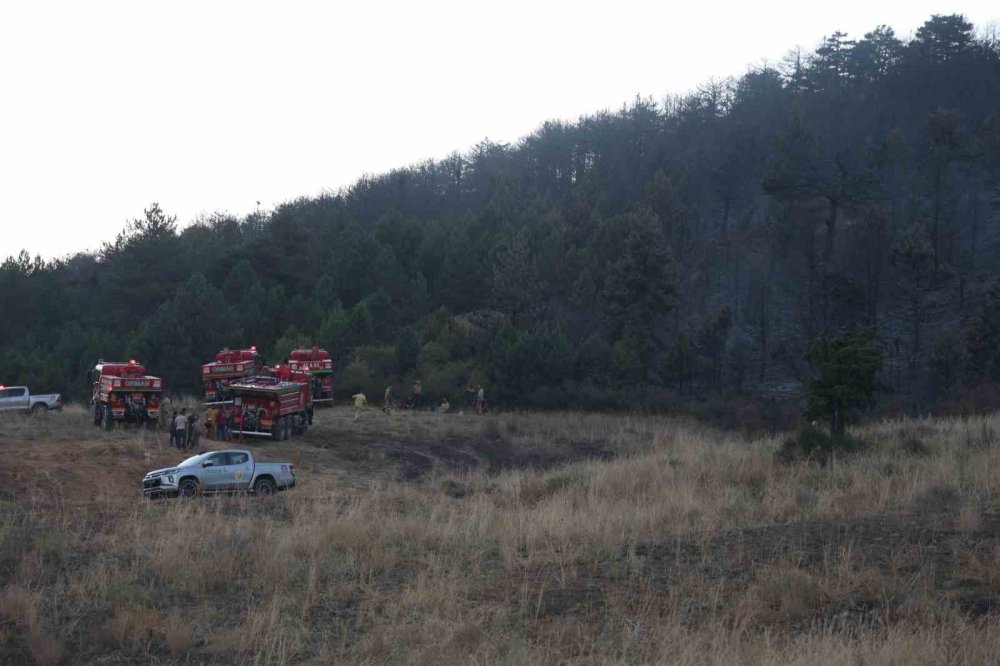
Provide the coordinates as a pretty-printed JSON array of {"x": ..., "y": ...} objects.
[{"x": 517, "y": 538}]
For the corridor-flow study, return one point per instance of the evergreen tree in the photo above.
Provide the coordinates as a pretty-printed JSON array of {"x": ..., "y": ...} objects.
[{"x": 847, "y": 368}]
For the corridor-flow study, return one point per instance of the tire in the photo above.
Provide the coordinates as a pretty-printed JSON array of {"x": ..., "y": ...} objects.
[
  {"x": 264, "y": 487},
  {"x": 187, "y": 488},
  {"x": 288, "y": 428},
  {"x": 41, "y": 409},
  {"x": 95, "y": 413},
  {"x": 106, "y": 419}
]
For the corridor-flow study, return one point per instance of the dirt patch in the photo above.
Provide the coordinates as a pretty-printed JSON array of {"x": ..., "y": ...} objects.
[{"x": 409, "y": 446}]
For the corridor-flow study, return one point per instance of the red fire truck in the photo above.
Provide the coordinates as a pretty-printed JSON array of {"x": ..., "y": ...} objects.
[
  {"x": 272, "y": 406},
  {"x": 124, "y": 392},
  {"x": 229, "y": 365},
  {"x": 318, "y": 363}
]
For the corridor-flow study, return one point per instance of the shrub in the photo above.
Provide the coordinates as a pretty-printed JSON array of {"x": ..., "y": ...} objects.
[{"x": 817, "y": 445}]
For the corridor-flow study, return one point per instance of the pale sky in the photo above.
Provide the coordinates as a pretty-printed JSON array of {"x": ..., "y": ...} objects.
[{"x": 215, "y": 105}]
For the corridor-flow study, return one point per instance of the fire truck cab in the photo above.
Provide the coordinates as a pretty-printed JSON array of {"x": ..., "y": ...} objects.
[
  {"x": 318, "y": 363},
  {"x": 271, "y": 406},
  {"x": 228, "y": 366},
  {"x": 123, "y": 392}
]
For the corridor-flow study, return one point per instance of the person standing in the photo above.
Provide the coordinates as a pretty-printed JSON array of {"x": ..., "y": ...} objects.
[
  {"x": 359, "y": 403},
  {"x": 182, "y": 422},
  {"x": 173, "y": 429},
  {"x": 220, "y": 424},
  {"x": 418, "y": 394},
  {"x": 192, "y": 426},
  {"x": 481, "y": 399},
  {"x": 194, "y": 433},
  {"x": 387, "y": 400}
]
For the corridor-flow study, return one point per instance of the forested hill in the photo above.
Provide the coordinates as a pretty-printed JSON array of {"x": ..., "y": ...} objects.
[{"x": 663, "y": 252}]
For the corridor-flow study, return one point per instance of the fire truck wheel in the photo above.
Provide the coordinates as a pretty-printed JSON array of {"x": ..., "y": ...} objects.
[
  {"x": 187, "y": 488},
  {"x": 95, "y": 413},
  {"x": 264, "y": 488},
  {"x": 106, "y": 417}
]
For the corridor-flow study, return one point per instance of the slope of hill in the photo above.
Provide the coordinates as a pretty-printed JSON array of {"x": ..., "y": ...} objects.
[
  {"x": 526, "y": 538},
  {"x": 633, "y": 258}
]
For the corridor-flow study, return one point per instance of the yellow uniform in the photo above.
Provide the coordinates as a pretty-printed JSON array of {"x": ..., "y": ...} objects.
[{"x": 359, "y": 402}]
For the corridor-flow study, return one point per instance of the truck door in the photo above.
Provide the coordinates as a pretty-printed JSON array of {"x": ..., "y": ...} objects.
[
  {"x": 214, "y": 472},
  {"x": 14, "y": 399},
  {"x": 5, "y": 399},
  {"x": 22, "y": 400},
  {"x": 239, "y": 469}
]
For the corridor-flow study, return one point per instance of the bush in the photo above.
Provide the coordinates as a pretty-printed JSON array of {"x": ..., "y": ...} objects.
[
  {"x": 380, "y": 361},
  {"x": 973, "y": 401},
  {"x": 356, "y": 377},
  {"x": 751, "y": 417},
  {"x": 817, "y": 445}
]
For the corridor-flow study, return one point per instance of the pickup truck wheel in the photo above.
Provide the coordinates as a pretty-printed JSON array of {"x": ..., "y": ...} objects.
[
  {"x": 187, "y": 488},
  {"x": 264, "y": 488},
  {"x": 39, "y": 410}
]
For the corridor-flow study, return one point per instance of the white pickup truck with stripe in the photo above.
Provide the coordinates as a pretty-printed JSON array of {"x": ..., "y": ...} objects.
[{"x": 218, "y": 472}]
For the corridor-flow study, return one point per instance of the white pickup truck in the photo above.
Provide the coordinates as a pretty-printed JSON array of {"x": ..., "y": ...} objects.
[
  {"x": 218, "y": 472},
  {"x": 19, "y": 399}
]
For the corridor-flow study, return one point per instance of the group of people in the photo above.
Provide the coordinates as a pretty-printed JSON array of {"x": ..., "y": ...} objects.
[
  {"x": 186, "y": 431},
  {"x": 221, "y": 421},
  {"x": 477, "y": 402}
]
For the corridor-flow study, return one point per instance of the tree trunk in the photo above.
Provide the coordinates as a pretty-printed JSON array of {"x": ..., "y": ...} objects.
[
  {"x": 836, "y": 422},
  {"x": 831, "y": 234}
]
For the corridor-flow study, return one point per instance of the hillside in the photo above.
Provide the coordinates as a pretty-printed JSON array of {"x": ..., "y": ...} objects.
[
  {"x": 648, "y": 257},
  {"x": 527, "y": 538}
]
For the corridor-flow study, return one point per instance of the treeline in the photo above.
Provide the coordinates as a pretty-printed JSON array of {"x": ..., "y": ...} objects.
[{"x": 664, "y": 253}]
